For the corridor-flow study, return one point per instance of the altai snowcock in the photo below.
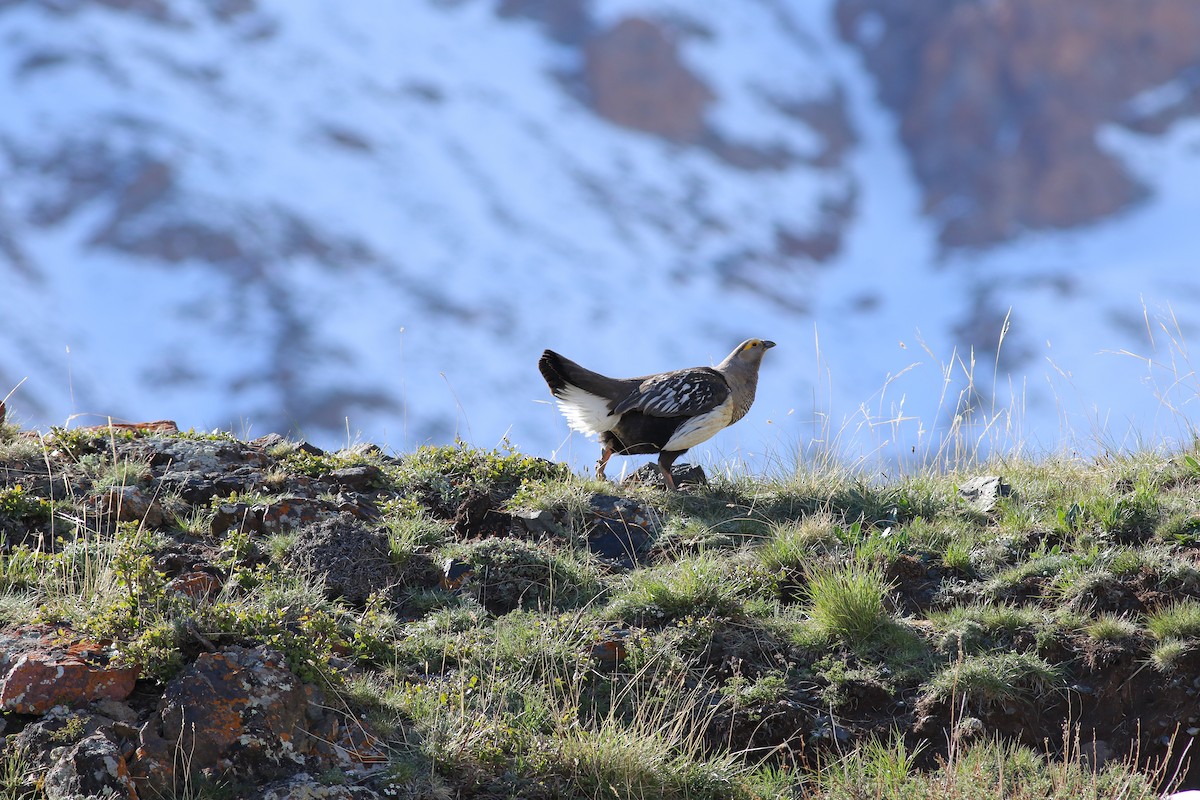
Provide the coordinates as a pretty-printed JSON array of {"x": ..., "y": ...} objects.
[{"x": 665, "y": 413}]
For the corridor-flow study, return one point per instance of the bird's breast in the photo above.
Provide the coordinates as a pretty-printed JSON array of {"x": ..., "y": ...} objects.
[{"x": 701, "y": 428}]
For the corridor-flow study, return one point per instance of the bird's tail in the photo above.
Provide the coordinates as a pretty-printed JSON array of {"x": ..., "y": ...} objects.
[
  {"x": 562, "y": 373},
  {"x": 585, "y": 398}
]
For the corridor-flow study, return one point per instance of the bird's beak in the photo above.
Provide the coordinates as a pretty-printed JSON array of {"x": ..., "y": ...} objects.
[{"x": 768, "y": 345}]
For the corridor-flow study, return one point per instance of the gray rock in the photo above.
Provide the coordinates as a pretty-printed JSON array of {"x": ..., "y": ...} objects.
[
  {"x": 92, "y": 767},
  {"x": 174, "y": 455},
  {"x": 303, "y": 786},
  {"x": 684, "y": 474},
  {"x": 538, "y": 523},
  {"x": 131, "y": 504},
  {"x": 238, "y": 711},
  {"x": 358, "y": 478},
  {"x": 622, "y": 529},
  {"x": 982, "y": 492}
]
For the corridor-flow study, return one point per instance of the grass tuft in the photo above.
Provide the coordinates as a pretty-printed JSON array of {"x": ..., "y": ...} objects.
[{"x": 847, "y": 602}]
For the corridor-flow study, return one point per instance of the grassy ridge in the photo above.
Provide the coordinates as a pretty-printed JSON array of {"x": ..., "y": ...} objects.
[{"x": 825, "y": 634}]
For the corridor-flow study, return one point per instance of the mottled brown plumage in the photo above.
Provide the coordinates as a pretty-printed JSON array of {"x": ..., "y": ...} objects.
[{"x": 666, "y": 413}]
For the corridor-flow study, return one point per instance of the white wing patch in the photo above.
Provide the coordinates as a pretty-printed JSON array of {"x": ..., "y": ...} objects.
[
  {"x": 702, "y": 428},
  {"x": 585, "y": 412}
]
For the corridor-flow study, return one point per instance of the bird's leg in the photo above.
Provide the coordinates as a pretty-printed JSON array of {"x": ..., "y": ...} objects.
[
  {"x": 665, "y": 460},
  {"x": 604, "y": 457}
]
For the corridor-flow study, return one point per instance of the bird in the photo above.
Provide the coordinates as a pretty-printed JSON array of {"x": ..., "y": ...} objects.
[{"x": 665, "y": 413}]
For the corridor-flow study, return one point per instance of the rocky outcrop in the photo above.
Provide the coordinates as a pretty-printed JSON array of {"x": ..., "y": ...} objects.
[
  {"x": 636, "y": 79},
  {"x": 90, "y": 720},
  {"x": 42, "y": 667},
  {"x": 1001, "y": 104},
  {"x": 235, "y": 709},
  {"x": 238, "y": 712}
]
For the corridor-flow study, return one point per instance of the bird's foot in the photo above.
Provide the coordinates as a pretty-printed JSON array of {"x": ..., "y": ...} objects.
[
  {"x": 602, "y": 463},
  {"x": 668, "y": 478}
]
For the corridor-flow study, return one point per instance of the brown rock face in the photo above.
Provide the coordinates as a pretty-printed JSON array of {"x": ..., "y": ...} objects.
[
  {"x": 241, "y": 712},
  {"x": 238, "y": 705},
  {"x": 1000, "y": 102},
  {"x": 41, "y": 668},
  {"x": 636, "y": 80}
]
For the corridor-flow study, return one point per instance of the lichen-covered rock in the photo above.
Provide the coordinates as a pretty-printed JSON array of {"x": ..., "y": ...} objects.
[
  {"x": 537, "y": 523},
  {"x": 983, "y": 492},
  {"x": 358, "y": 478},
  {"x": 302, "y": 786},
  {"x": 200, "y": 469},
  {"x": 290, "y": 513},
  {"x": 241, "y": 714},
  {"x": 92, "y": 767},
  {"x": 196, "y": 585},
  {"x": 44, "y": 741},
  {"x": 205, "y": 456},
  {"x": 130, "y": 504},
  {"x": 43, "y": 667},
  {"x": 239, "y": 516},
  {"x": 683, "y": 475},
  {"x": 237, "y": 709},
  {"x": 622, "y": 529}
]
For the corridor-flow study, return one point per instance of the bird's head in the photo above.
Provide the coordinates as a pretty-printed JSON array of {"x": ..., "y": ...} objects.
[{"x": 750, "y": 352}]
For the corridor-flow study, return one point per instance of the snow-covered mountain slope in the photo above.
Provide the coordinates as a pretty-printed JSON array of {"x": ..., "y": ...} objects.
[{"x": 367, "y": 219}]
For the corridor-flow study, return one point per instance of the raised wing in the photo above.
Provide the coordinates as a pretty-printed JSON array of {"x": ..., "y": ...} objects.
[{"x": 685, "y": 393}]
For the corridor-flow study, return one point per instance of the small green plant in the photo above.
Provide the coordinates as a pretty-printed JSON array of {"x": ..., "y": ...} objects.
[
  {"x": 1112, "y": 627},
  {"x": 989, "y": 679},
  {"x": 17, "y": 775},
  {"x": 684, "y": 535},
  {"x": 307, "y": 633},
  {"x": 879, "y": 768},
  {"x": 508, "y": 573},
  {"x": 72, "y": 730},
  {"x": 410, "y": 534},
  {"x": 698, "y": 586},
  {"x": 1168, "y": 655},
  {"x": 1069, "y": 519},
  {"x": 792, "y": 547},
  {"x": 303, "y": 462},
  {"x": 1177, "y": 620},
  {"x": 18, "y": 504},
  {"x": 847, "y": 602},
  {"x": 1181, "y": 528},
  {"x": 980, "y": 626},
  {"x": 957, "y": 555},
  {"x": 449, "y": 472},
  {"x": 765, "y": 689},
  {"x": 23, "y": 567},
  {"x": 1130, "y": 518},
  {"x": 1040, "y": 566},
  {"x": 120, "y": 473}
]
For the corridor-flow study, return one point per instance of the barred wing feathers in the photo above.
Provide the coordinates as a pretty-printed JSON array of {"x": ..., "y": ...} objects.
[{"x": 686, "y": 393}]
